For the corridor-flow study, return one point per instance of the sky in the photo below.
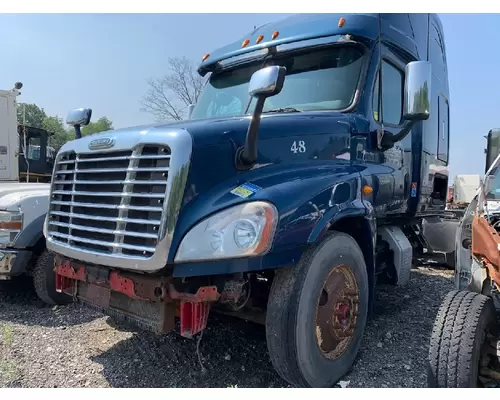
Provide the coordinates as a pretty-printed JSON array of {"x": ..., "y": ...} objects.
[{"x": 103, "y": 61}]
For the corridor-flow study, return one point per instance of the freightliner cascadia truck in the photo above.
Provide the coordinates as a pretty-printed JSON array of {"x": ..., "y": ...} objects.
[{"x": 300, "y": 180}]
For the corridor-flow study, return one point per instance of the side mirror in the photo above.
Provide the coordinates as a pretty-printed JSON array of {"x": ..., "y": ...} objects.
[
  {"x": 492, "y": 147},
  {"x": 489, "y": 184},
  {"x": 417, "y": 97},
  {"x": 190, "y": 110},
  {"x": 79, "y": 116},
  {"x": 267, "y": 82},
  {"x": 264, "y": 83}
]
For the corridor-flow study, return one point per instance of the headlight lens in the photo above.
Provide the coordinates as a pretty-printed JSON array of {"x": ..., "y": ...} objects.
[
  {"x": 11, "y": 224},
  {"x": 244, "y": 230}
]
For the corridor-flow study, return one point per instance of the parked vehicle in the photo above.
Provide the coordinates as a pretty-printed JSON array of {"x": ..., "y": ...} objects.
[
  {"x": 301, "y": 178},
  {"x": 464, "y": 189},
  {"x": 25, "y": 159},
  {"x": 465, "y": 341}
]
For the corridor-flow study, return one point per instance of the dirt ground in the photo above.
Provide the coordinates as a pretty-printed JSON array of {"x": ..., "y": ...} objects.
[{"x": 73, "y": 346}]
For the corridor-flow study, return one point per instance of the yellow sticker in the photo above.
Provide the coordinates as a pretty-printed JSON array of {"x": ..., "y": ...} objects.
[
  {"x": 245, "y": 190},
  {"x": 241, "y": 191}
]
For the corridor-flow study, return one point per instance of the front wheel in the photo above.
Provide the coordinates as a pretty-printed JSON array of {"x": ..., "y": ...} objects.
[
  {"x": 44, "y": 281},
  {"x": 317, "y": 312},
  {"x": 459, "y": 340}
]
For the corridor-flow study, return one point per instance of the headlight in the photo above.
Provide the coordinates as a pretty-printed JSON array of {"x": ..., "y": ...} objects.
[
  {"x": 244, "y": 230},
  {"x": 11, "y": 224}
]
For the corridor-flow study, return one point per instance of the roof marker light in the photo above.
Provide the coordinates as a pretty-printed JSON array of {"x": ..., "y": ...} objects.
[
  {"x": 205, "y": 57},
  {"x": 259, "y": 39},
  {"x": 341, "y": 22},
  {"x": 274, "y": 35},
  {"x": 367, "y": 190},
  {"x": 245, "y": 43}
]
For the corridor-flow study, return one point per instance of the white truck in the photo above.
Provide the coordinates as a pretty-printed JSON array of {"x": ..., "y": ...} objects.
[
  {"x": 465, "y": 187},
  {"x": 24, "y": 203}
]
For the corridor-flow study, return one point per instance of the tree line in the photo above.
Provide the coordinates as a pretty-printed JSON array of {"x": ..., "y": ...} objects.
[
  {"x": 167, "y": 99},
  {"x": 34, "y": 116}
]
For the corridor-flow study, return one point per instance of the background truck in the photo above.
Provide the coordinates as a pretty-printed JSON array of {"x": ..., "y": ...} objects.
[
  {"x": 464, "y": 348},
  {"x": 464, "y": 189},
  {"x": 23, "y": 202},
  {"x": 301, "y": 179}
]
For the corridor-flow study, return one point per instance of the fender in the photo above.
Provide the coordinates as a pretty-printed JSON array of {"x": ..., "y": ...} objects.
[
  {"x": 364, "y": 231},
  {"x": 33, "y": 200},
  {"x": 31, "y": 233},
  {"x": 304, "y": 196}
]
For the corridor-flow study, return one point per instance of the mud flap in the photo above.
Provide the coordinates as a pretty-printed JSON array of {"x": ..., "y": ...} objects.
[{"x": 403, "y": 252}]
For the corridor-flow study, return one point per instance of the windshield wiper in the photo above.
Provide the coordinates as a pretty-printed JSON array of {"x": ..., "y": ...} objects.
[{"x": 281, "y": 110}]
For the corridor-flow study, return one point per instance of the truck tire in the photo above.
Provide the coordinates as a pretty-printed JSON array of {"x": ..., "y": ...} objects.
[
  {"x": 316, "y": 313},
  {"x": 457, "y": 339},
  {"x": 44, "y": 281}
]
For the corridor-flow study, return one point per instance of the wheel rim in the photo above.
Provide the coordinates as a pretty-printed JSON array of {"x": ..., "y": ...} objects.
[{"x": 337, "y": 312}]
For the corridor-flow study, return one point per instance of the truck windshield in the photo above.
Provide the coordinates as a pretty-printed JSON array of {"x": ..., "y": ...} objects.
[{"x": 321, "y": 80}]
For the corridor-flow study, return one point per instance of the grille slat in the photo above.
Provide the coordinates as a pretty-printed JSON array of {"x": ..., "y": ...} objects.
[
  {"x": 109, "y": 170},
  {"x": 101, "y": 230},
  {"x": 123, "y": 182},
  {"x": 126, "y": 216},
  {"x": 106, "y": 206},
  {"x": 98, "y": 218},
  {"x": 106, "y": 194},
  {"x": 139, "y": 157},
  {"x": 101, "y": 243}
]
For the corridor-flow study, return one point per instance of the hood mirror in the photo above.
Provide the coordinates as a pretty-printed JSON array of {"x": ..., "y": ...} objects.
[
  {"x": 417, "y": 100},
  {"x": 264, "y": 83},
  {"x": 77, "y": 118}
]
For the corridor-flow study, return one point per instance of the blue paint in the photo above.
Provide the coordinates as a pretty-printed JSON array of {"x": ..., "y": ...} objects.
[{"x": 301, "y": 185}]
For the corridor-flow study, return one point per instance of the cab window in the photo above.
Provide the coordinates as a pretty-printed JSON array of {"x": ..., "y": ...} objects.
[{"x": 392, "y": 95}]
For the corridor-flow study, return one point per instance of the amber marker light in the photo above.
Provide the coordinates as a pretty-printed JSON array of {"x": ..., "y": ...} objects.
[{"x": 367, "y": 190}]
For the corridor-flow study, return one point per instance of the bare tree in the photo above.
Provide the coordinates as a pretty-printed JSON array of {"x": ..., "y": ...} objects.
[{"x": 168, "y": 97}]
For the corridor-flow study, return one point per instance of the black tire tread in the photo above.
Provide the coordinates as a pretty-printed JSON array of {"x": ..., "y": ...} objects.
[
  {"x": 451, "y": 351},
  {"x": 287, "y": 287},
  {"x": 40, "y": 281}
]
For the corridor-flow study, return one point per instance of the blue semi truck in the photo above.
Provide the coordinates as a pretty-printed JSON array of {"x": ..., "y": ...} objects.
[{"x": 301, "y": 179}]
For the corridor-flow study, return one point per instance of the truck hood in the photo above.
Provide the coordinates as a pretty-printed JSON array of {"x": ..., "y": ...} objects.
[
  {"x": 215, "y": 141},
  {"x": 217, "y": 131},
  {"x": 13, "y": 192}
]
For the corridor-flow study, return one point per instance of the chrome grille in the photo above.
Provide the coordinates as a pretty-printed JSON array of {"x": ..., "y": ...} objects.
[{"x": 110, "y": 202}]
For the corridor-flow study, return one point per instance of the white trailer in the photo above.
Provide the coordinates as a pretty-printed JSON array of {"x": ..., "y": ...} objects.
[
  {"x": 23, "y": 205},
  {"x": 465, "y": 187}
]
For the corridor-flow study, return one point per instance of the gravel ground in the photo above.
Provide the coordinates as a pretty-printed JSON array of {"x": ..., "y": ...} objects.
[{"x": 75, "y": 347}]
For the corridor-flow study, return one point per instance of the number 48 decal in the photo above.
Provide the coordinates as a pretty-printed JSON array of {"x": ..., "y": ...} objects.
[{"x": 298, "y": 147}]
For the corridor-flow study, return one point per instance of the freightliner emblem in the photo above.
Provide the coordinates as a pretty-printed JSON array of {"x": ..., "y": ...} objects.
[{"x": 102, "y": 143}]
